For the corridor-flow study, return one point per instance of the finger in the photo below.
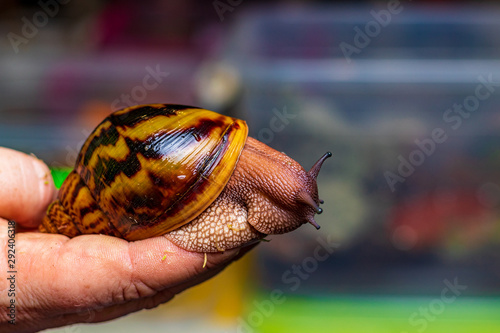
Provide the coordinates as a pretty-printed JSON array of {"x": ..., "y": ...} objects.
[
  {"x": 173, "y": 259},
  {"x": 26, "y": 187},
  {"x": 98, "y": 313},
  {"x": 212, "y": 272},
  {"x": 215, "y": 267},
  {"x": 69, "y": 276}
]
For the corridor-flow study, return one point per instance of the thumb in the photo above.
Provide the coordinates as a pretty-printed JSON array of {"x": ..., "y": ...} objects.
[{"x": 26, "y": 188}]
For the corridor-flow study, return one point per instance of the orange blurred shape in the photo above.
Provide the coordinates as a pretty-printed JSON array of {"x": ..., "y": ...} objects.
[{"x": 93, "y": 112}]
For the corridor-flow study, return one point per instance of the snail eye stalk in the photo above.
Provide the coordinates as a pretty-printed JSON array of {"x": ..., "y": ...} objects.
[{"x": 317, "y": 166}]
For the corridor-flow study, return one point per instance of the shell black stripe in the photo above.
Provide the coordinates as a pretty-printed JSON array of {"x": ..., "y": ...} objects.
[
  {"x": 131, "y": 117},
  {"x": 90, "y": 208},
  {"x": 129, "y": 166},
  {"x": 108, "y": 136}
]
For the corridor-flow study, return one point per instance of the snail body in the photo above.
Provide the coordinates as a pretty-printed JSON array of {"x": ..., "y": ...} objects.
[{"x": 189, "y": 174}]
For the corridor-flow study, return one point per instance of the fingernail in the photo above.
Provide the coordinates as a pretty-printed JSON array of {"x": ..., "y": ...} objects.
[
  {"x": 39, "y": 167},
  {"x": 43, "y": 174}
]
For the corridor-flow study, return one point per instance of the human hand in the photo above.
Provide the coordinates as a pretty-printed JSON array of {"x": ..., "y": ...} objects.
[{"x": 89, "y": 278}]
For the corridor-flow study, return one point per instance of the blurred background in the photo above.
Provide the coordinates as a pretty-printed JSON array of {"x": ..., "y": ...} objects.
[{"x": 406, "y": 94}]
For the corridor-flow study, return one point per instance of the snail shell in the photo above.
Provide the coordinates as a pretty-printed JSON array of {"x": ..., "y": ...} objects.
[{"x": 184, "y": 172}]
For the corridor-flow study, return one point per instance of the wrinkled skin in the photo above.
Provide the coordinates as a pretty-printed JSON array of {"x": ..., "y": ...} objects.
[{"x": 90, "y": 278}]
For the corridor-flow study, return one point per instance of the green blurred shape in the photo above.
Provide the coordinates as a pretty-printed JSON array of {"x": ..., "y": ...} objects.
[
  {"x": 371, "y": 315},
  {"x": 59, "y": 175}
]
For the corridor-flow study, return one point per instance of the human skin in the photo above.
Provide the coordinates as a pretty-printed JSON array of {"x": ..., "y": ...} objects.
[{"x": 89, "y": 278}]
